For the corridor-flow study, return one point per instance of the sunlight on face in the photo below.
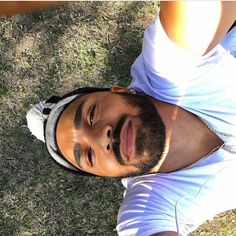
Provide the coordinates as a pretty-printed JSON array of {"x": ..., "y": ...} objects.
[{"x": 118, "y": 134}]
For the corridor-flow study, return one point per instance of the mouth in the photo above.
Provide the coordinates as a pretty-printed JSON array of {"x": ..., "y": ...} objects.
[{"x": 127, "y": 140}]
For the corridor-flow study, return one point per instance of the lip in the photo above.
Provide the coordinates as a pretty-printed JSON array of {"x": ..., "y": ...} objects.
[{"x": 127, "y": 140}]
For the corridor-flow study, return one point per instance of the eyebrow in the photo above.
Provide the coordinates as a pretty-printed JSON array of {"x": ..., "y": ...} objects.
[
  {"x": 78, "y": 115},
  {"x": 77, "y": 155}
]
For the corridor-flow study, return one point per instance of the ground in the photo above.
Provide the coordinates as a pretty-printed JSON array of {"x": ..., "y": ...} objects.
[{"x": 51, "y": 52}]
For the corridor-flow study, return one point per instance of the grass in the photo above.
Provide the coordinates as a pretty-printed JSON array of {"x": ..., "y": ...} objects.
[{"x": 52, "y": 52}]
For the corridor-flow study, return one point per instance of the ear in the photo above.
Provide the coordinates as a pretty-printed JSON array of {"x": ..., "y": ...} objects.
[{"x": 119, "y": 89}]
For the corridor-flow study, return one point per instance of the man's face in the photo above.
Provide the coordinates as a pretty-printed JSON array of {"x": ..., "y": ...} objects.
[{"x": 111, "y": 134}]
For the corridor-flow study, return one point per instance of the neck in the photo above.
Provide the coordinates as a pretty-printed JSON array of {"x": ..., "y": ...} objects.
[{"x": 188, "y": 139}]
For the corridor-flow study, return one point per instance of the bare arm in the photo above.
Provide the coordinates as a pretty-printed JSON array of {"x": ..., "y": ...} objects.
[
  {"x": 17, "y": 7},
  {"x": 197, "y": 26}
]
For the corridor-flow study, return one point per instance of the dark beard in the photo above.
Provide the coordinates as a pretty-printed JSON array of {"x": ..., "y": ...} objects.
[{"x": 150, "y": 138}]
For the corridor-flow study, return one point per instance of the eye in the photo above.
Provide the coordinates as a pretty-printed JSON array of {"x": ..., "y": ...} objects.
[
  {"x": 91, "y": 115},
  {"x": 90, "y": 156}
]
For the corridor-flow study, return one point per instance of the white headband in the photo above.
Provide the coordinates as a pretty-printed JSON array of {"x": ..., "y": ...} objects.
[{"x": 36, "y": 121}]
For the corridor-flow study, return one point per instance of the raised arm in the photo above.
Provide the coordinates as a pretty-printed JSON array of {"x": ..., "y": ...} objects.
[
  {"x": 17, "y": 7},
  {"x": 197, "y": 26}
]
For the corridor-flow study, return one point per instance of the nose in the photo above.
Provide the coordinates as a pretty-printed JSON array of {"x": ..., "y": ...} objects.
[{"x": 105, "y": 138}]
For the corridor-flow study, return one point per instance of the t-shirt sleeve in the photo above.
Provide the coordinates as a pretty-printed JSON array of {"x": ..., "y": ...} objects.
[
  {"x": 150, "y": 205},
  {"x": 164, "y": 58},
  {"x": 177, "y": 201},
  {"x": 204, "y": 85},
  {"x": 143, "y": 214}
]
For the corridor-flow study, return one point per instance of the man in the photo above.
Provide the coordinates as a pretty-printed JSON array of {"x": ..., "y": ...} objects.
[{"x": 176, "y": 123}]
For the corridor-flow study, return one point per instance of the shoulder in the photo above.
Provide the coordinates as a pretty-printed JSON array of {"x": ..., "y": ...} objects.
[{"x": 148, "y": 207}]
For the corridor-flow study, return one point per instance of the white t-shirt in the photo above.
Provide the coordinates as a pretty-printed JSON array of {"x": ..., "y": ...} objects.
[{"x": 206, "y": 86}]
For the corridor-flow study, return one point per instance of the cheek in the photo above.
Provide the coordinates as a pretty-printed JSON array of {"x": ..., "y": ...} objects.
[
  {"x": 108, "y": 164},
  {"x": 115, "y": 111},
  {"x": 113, "y": 106}
]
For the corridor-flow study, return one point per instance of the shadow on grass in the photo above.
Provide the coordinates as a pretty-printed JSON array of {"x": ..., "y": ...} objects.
[
  {"x": 46, "y": 26},
  {"x": 38, "y": 197},
  {"x": 125, "y": 49}
]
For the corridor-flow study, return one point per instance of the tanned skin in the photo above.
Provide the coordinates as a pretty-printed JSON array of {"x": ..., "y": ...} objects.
[{"x": 17, "y": 7}]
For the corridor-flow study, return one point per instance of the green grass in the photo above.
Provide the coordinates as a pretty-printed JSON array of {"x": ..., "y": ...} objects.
[{"x": 52, "y": 52}]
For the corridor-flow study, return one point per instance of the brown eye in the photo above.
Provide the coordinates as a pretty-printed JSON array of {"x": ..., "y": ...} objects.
[
  {"x": 90, "y": 156},
  {"x": 91, "y": 115}
]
